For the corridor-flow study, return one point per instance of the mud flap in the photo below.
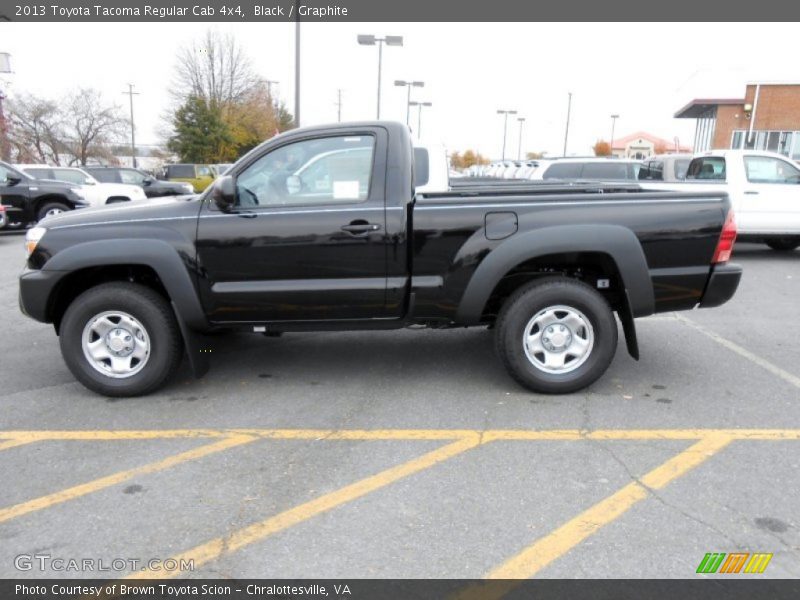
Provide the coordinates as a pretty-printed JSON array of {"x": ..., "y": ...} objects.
[
  {"x": 196, "y": 350},
  {"x": 629, "y": 328}
]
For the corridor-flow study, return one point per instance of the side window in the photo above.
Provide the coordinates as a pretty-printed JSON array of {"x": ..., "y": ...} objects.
[
  {"x": 563, "y": 171},
  {"x": 601, "y": 170},
  {"x": 680, "y": 167},
  {"x": 204, "y": 171},
  {"x": 765, "y": 169},
  {"x": 707, "y": 168},
  {"x": 70, "y": 176},
  {"x": 131, "y": 177},
  {"x": 319, "y": 171},
  {"x": 40, "y": 173},
  {"x": 4, "y": 174}
]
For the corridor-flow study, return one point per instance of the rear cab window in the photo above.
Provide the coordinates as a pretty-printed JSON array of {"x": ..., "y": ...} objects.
[{"x": 707, "y": 168}]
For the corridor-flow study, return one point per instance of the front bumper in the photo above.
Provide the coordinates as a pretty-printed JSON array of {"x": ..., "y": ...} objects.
[
  {"x": 35, "y": 291},
  {"x": 721, "y": 285}
]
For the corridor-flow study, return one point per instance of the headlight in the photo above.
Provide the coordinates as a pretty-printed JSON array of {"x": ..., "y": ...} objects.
[{"x": 32, "y": 238}]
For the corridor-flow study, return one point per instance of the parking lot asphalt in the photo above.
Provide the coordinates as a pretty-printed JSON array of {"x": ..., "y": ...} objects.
[{"x": 412, "y": 454}]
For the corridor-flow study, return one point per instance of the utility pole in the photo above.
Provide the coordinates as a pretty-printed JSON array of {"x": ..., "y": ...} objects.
[
  {"x": 613, "y": 123},
  {"x": 130, "y": 93},
  {"x": 519, "y": 147},
  {"x": 339, "y": 105},
  {"x": 505, "y": 114},
  {"x": 297, "y": 69},
  {"x": 566, "y": 130}
]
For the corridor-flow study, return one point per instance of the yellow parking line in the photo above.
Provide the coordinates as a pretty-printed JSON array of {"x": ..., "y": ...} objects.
[
  {"x": 753, "y": 358},
  {"x": 18, "y": 437},
  {"x": 534, "y": 558},
  {"x": 14, "y": 443},
  {"x": 258, "y": 531},
  {"x": 41, "y": 502}
]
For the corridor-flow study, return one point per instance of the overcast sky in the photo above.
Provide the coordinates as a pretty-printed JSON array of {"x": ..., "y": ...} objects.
[{"x": 643, "y": 72}]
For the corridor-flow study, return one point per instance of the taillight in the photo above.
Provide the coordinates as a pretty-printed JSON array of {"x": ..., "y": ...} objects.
[{"x": 726, "y": 239}]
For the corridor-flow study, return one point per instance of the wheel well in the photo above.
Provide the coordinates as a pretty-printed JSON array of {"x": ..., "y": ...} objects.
[
  {"x": 116, "y": 199},
  {"x": 79, "y": 281},
  {"x": 42, "y": 201},
  {"x": 589, "y": 267}
]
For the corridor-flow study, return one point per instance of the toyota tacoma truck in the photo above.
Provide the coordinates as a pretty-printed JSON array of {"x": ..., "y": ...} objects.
[{"x": 322, "y": 229}]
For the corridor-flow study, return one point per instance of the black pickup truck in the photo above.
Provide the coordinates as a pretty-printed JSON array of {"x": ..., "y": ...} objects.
[
  {"x": 321, "y": 229},
  {"x": 28, "y": 200}
]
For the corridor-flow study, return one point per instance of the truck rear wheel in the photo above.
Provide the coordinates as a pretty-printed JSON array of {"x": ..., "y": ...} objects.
[
  {"x": 120, "y": 339},
  {"x": 785, "y": 244},
  {"x": 556, "y": 335}
]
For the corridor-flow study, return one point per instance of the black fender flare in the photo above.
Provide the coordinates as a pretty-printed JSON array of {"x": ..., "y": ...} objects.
[
  {"x": 619, "y": 242},
  {"x": 160, "y": 256}
]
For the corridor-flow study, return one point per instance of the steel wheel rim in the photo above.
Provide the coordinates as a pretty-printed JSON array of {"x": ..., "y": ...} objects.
[
  {"x": 115, "y": 344},
  {"x": 558, "y": 339},
  {"x": 53, "y": 212}
]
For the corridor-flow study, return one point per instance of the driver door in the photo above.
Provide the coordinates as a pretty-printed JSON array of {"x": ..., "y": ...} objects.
[{"x": 305, "y": 240}]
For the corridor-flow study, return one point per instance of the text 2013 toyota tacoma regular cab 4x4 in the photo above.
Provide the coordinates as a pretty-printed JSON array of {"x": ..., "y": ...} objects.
[{"x": 321, "y": 229}]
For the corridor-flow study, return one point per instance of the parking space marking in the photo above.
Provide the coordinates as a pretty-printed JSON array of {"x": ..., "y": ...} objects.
[
  {"x": 24, "y": 437},
  {"x": 754, "y": 358},
  {"x": 212, "y": 550},
  {"x": 77, "y": 491},
  {"x": 541, "y": 553},
  {"x": 14, "y": 443}
]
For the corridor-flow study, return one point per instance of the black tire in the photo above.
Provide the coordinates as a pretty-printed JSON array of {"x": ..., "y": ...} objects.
[
  {"x": 50, "y": 206},
  {"x": 786, "y": 244},
  {"x": 151, "y": 310},
  {"x": 525, "y": 304}
]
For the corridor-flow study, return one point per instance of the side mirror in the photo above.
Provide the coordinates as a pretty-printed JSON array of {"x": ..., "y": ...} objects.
[
  {"x": 13, "y": 180},
  {"x": 293, "y": 184},
  {"x": 147, "y": 181},
  {"x": 224, "y": 193}
]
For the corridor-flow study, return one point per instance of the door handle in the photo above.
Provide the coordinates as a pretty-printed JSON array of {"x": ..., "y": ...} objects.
[
  {"x": 751, "y": 193},
  {"x": 358, "y": 228}
]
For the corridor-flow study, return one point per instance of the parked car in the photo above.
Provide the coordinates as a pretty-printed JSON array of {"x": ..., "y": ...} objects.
[
  {"x": 764, "y": 188},
  {"x": 28, "y": 200},
  {"x": 587, "y": 169},
  {"x": 546, "y": 268},
  {"x": 95, "y": 193},
  {"x": 665, "y": 167},
  {"x": 153, "y": 188},
  {"x": 199, "y": 176}
]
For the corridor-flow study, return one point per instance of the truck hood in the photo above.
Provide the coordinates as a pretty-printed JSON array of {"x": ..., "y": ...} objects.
[{"x": 168, "y": 207}]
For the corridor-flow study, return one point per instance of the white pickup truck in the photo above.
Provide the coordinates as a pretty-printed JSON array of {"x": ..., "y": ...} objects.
[{"x": 764, "y": 189}]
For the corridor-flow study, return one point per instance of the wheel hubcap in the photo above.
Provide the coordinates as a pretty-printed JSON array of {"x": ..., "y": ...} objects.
[
  {"x": 558, "y": 339},
  {"x": 116, "y": 344}
]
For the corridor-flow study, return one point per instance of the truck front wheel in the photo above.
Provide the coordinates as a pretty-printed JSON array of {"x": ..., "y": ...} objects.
[
  {"x": 120, "y": 339},
  {"x": 556, "y": 335}
]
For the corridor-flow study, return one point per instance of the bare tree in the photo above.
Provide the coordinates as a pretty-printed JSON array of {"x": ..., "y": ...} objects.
[
  {"x": 215, "y": 69},
  {"x": 36, "y": 129},
  {"x": 90, "y": 125}
]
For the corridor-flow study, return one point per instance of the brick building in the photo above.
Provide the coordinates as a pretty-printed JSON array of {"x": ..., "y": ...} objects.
[{"x": 767, "y": 118}]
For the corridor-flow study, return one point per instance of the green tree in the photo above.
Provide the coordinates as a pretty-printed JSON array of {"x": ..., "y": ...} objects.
[{"x": 201, "y": 134}]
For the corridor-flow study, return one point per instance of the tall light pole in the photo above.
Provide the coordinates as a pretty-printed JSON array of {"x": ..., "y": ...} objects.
[
  {"x": 566, "y": 129},
  {"x": 505, "y": 114},
  {"x": 521, "y": 120},
  {"x": 371, "y": 40},
  {"x": 613, "y": 123},
  {"x": 409, "y": 85},
  {"x": 130, "y": 93},
  {"x": 339, "y": 105},
  {"x": 297, "y": 69},
  {"x": 419, "y": 106},
  {"x": 5, "y": 68}
]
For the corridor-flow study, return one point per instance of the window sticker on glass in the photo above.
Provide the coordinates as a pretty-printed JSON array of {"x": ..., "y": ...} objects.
[{"x": 345, "y": 190}]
